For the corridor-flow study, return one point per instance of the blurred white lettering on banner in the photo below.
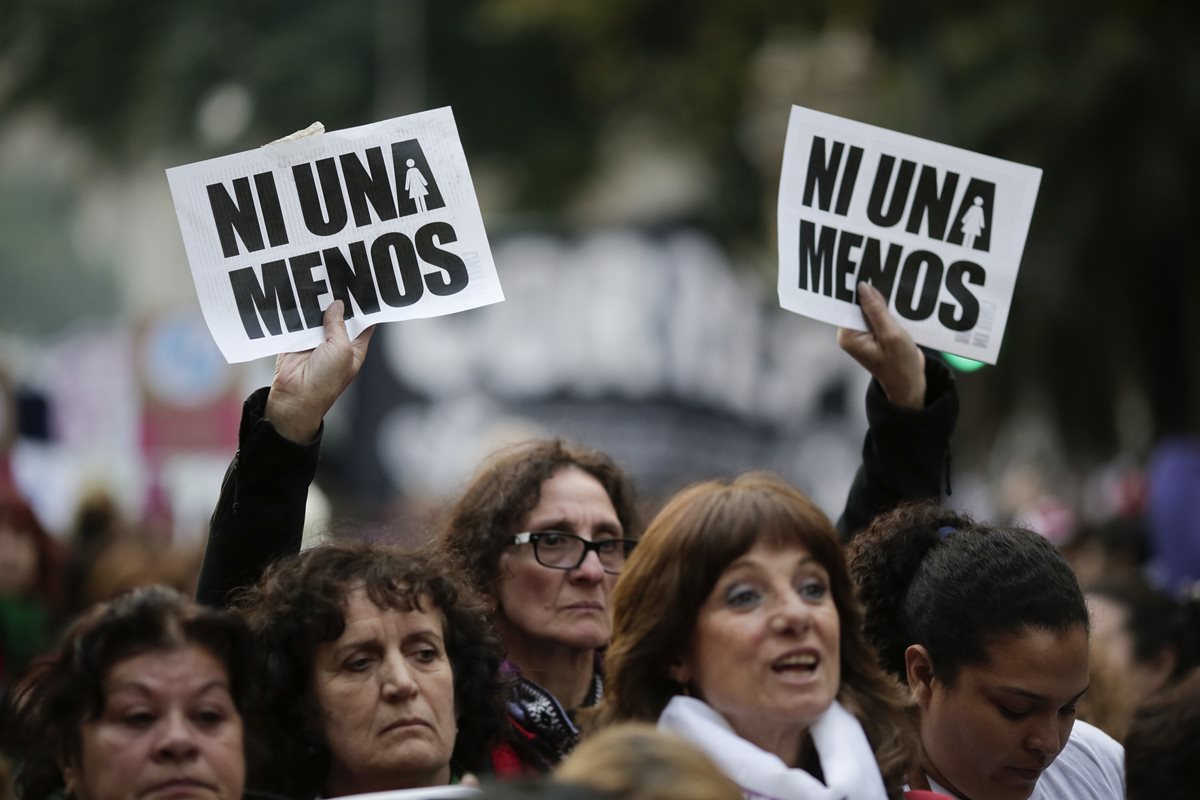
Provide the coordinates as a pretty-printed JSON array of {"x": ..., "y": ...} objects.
[
  {"x": 938, "y": 230},
  {"x": 383, "y": 217}
]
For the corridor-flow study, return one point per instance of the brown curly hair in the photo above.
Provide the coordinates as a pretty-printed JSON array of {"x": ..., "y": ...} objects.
[
  {"x": 506, "y": 488},
  {"x": 677, "y": 563}
]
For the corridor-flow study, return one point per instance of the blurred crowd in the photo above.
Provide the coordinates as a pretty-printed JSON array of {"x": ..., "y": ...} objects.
[{"x": 48, "y": 579}]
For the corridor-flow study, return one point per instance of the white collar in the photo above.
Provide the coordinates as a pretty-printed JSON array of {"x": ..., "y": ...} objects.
[
  {"x": 847, "y": 761},
  {"x": 934, "y": 786}
]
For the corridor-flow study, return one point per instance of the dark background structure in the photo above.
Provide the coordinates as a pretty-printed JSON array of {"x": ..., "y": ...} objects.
[{"x": 1103, "y": 337}]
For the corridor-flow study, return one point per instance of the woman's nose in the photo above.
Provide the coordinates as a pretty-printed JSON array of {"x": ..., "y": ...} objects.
[
  {"x": 397, "y": 681},
  {"x": 791, "y": 615},
  {"x": 178, "y": 740},
  {"x": 1046, "y": 736},
  {"x": 590, "y": 570}
]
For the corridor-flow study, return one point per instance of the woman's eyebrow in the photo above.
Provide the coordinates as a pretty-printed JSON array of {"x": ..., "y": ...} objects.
[
  {"x": 365, "y": 643},
  {"x": 564, "y": 525},
  {"x": 1035, "y": 697},
  {"x": 142, "y": 688},
  {"x": 555, "y": 524},
  {"x": 215, "y": 684}
]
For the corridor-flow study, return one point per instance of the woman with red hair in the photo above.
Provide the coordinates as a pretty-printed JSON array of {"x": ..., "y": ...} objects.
[{"x": 30, "y": 585}]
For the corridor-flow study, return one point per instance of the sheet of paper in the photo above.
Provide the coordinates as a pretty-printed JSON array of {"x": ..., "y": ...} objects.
[
  {"x": 937, "y": 229},
  {"x": 383, "y": 217}
]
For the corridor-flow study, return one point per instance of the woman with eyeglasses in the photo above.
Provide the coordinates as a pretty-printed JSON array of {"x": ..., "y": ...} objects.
[
  {"x": 543, "y": 531},
  {"x": 531, "y": 531}
]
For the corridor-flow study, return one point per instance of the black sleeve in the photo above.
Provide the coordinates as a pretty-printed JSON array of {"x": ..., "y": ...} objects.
[
  {"x": 260, "y": 514},
  {"x": 905, "y": 452}
]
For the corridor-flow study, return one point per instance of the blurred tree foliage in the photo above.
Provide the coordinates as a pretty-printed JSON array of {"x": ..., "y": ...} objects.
[{"x": 1104, "y": 98}]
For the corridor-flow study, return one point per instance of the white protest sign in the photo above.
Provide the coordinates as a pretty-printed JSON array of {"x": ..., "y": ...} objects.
[
  {"x": 382, "y": 217},
  {"x": 938, "y": 230}
]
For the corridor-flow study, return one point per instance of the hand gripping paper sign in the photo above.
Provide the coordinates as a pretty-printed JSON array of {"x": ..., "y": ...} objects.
[
  {"x": 938, "y": 230},
  {"x": 382, "y": 217}
]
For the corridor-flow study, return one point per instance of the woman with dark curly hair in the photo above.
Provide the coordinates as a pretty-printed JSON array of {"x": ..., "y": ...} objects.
[
  {"x": 988, "y": 628},
  {"x": 379, "y": 671},
  {"x": 735, "y": 626},
  {"x": 143, "y": 699}
]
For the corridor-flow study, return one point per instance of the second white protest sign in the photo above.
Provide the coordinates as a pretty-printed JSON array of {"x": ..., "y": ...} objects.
[
  {"x": 938, "y": 230},
  {"x": 383, "y": 217}
]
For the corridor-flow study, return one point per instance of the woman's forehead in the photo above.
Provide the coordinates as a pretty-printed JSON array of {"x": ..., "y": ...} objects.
[
  {"x": 573, "y": 495},
  {"x": 1037, "y": 661},
  {"x": 167, "y": 668},
  {"x": 768, "y": 553},
  {"x": 360, "y": 610}
]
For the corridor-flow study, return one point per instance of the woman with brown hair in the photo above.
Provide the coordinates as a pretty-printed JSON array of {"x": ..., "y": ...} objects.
[
  {"x": 735, "y": 625},
  {"x": 541, "y": 529},
  {"x": 30, "y": 585}
]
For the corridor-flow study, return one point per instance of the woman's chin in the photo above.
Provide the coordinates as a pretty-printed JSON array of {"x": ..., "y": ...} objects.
[{"x": 587, "y": 638}]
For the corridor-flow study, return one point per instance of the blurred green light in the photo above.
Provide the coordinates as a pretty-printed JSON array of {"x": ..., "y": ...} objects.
[{"x": 962, "y": 364}]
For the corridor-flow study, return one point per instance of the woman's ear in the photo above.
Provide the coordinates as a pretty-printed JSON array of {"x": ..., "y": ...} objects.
[
  {"x": 918, "y": 667},
  {"x": 69, "y": 780},
  {"x": 680, "y": 673}
]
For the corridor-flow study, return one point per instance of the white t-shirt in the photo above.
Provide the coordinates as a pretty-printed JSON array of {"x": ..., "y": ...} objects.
[{"x": 1090, "y": 767}]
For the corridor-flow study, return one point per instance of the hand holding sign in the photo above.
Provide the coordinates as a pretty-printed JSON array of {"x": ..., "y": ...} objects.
[
  {"x": 307, "y": 384},
  {"x": 886, "y": 351}
]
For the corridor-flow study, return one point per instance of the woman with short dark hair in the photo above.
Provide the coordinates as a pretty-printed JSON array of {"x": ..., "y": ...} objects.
[
  {"x": 1151, "y": 637},
  {"x": 144, "y": 698}
]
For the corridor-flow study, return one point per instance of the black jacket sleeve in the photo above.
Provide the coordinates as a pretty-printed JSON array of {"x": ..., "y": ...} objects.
[
  {"x": 906, "y": 452},
  {"x": 260, "y": 514}
]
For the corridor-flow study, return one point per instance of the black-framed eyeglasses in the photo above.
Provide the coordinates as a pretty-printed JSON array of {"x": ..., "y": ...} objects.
[{"x": 560, "y": 550}]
